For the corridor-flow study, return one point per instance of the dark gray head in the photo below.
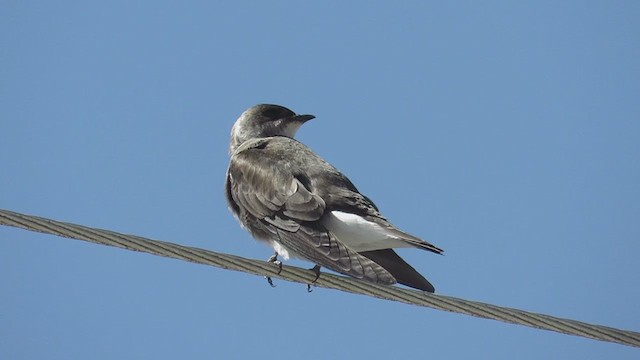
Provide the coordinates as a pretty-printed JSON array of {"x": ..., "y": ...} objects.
[{"x": 265, "y": 120}]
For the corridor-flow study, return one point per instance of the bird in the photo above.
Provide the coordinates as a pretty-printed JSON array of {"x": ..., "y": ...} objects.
[{"x": 286, "y": 195}]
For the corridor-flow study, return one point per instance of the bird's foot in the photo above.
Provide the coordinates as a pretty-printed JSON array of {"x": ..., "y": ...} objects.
[
  {"x": 315, "y": 269},
  {"x": 274, "y": 259}
]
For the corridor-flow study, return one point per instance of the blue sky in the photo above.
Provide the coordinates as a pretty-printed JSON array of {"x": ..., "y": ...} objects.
[{"x": 504, "y": 132}]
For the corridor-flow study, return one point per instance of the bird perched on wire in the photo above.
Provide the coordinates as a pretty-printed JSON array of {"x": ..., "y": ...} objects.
[{"x": 302, "y": 206}]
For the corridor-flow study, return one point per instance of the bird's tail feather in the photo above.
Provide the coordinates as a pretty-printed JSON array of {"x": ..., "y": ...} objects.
[{"x": 404, "y": 273}]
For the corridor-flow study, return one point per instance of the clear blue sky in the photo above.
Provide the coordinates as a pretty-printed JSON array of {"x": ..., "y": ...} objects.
[{"x": 506, "y": 133}]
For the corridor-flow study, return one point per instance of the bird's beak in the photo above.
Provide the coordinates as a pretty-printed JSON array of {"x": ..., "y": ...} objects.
[{"x": 302, "y": 118}]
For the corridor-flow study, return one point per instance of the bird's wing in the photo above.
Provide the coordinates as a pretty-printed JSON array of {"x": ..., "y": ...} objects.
[{"x": 264, "y": 181}]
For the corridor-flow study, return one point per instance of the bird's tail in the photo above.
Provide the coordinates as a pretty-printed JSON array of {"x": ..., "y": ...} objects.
[{"x": 404, "y": 273}]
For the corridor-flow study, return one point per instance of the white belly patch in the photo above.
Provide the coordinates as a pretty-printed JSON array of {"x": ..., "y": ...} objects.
[
  {"x": 281, "y": 250},
  {"x": 360, "y": 234}
]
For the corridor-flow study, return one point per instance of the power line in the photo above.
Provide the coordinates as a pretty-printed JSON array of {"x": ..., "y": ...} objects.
[{"x": 291, "y": 273}]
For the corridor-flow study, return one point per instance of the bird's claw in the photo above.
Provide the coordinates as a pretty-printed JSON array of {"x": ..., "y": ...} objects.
[
  {"x": 315, "y": 269},
  {"x": 274, "y": 259}
]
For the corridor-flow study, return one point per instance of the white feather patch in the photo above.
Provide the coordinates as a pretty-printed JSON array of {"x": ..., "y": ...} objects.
[
  {"x": 360, "y": 234},
  {"x": 281, "y": 250}
]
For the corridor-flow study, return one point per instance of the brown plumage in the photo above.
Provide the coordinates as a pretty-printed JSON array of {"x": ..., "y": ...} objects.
[{"x": 285, "y": 194}]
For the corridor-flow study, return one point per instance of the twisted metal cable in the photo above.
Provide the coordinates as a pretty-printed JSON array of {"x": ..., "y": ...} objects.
[{"x": 295, "y": 274}]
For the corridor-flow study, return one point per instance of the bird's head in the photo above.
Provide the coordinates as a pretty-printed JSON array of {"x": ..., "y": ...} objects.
[{"x": 265, "y": 120}]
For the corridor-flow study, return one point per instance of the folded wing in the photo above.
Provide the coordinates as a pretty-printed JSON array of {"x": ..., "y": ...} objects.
[{"x": 271, "y": 196}]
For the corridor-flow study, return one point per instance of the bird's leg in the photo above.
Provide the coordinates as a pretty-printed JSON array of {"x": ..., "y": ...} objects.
[
  {"x": 274, "y": 259},
  {"x": 315, "y": 269}
]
